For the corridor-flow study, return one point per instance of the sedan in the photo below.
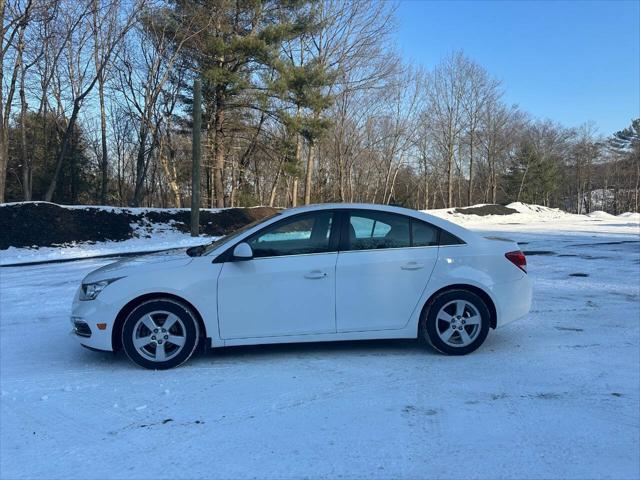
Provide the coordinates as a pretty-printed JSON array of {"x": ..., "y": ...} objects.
[{"x": 311, "y": 274}]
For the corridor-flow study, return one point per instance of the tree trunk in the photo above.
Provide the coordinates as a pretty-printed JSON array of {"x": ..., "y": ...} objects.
[
  {"x": 450, "y": 177},
  {"x": 208, "y": 167},
  {"x": 141, "y": 167},
  {"x": 5, "y": 108},
  {"x": 4, "y": 159},
  {"x": 392, "y": 186},
  {"x": 494, "y": 182},
  {"x": 4, "y": 140},
  {"x": 309, "y": 176},
  {"x": 426, "y": 192},
  {"x": 103, "y": 117},
  {"x": 63, "y": 152},
  {"x": 294, "y": 192},
  {"x": 196, "y": 157},
  {"x": 169, "y": 175},
  {"x": 470, "y": 195},
  {"x": 232, "y": 194},
  {"x": 294, "y": 187},
  {"x": 104, "y": 161},
  {"x": 274, "y": 187},
  {"x": 524, "y": 177},
  {"x": 341, "y": 175},
  {"x": 459, "y": 172},
  {"x": 218, "y": 148},
  {"x": 26, "y": 161}
]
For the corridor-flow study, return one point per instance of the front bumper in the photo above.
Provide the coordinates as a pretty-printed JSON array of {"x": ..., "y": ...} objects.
[{"x": 92, "y": 323}]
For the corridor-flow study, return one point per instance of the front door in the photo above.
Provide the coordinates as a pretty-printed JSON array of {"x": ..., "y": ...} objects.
[
  {"x": 288, "y": 288},
  {"x": 383, "y": 270}
]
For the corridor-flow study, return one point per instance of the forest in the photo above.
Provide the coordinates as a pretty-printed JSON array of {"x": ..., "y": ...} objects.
[{"x": 303, "y": 101}]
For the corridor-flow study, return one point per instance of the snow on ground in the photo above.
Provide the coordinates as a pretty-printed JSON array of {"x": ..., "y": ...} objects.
[{"x": 555, "y": 395}]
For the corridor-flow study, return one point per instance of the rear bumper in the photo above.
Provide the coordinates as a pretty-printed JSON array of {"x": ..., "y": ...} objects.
[{"x": 512, "y": 299}]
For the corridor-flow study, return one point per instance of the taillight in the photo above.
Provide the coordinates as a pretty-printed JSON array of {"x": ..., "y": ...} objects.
[{"x": 518, "y": 259}]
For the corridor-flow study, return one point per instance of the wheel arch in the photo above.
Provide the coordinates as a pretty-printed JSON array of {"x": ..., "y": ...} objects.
[
  {"x": 471, "y": 288},
  {"x": 116, "y": 340}
]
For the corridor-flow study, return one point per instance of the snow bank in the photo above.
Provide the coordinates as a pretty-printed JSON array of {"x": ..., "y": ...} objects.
[
  {"x": 538, "y": 211},
  {"x": 600, "y": 214},
  {"x": 535, "y": 218}
]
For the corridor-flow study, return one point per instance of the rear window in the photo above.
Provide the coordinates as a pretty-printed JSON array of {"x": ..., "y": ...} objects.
[
  {"x": 370, "y": 230},
  {"x": 447, "y": 238},
  {"x": 424, "y": 235}
]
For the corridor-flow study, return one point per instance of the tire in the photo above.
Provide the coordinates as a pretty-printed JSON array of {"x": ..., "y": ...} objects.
[
  {"x": 148, "y": 343},
  {"x": 452, "y": 329}
]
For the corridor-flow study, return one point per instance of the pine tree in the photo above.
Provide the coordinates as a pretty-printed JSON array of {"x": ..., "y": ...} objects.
[
  {"x": 302, "y": 85},
  {"x": 532, "y": 178},
  {"x": 627, "y": 144},
  {"x": 627, "y": 139},
  {"x": 229, "y": 43}
]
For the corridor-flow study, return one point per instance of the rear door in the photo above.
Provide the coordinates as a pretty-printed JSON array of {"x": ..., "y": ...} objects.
[{"x": 383, "y": 267}]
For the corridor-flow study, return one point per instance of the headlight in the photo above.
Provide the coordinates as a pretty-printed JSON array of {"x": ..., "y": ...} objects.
[{"x": 89, "y": 291}]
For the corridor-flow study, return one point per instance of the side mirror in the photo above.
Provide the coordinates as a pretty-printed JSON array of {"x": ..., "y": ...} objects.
[{"x": 242, "y": 251}]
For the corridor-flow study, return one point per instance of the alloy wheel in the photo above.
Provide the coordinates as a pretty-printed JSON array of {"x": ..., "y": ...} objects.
[
  {"x": 458, "y": 323},
  {"x": 159, "y": 336}
]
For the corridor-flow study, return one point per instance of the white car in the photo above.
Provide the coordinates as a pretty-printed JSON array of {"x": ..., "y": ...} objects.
[{"x": 311, "y": 274}]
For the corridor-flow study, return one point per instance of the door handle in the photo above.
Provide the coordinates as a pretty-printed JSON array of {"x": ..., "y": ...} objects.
[
  {"x": 315, "y": 274},
  {"x": 412, "y": 266}
]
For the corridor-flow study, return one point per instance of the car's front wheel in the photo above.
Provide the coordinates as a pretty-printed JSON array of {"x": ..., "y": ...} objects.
[
  {"x": 160, "y": 334},
  {"x": 456, "y": 323}
]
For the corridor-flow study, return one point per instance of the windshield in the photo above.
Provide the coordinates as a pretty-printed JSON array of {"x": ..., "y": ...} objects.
[{"x": 205, "y": 249}]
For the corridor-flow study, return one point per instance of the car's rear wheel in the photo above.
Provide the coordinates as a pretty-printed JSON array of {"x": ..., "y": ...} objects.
[
  {"x": 456, "y": 322},
  {"x": 160, "y": 334}
]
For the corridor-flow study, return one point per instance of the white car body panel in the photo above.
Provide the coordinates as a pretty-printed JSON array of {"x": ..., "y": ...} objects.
[
  {"x": 278, "y": 296},
  {"x": 269, "y": 300},
  {"x": 364, "y": 299}
]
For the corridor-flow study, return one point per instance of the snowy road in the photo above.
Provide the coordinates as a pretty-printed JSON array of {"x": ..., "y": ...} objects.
[{"x": 555, "y": 395}]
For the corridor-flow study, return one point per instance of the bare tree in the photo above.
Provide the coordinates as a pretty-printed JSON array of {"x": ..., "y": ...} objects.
[
  {"x": 480, "y": 90},
  {"x": 98, "y": 51},
  {"x": 150, "y": 64},
  {"x": 448, "y": 86},
  {"x": 14, "y": 17},
  {"x": 83, "y": 72}
]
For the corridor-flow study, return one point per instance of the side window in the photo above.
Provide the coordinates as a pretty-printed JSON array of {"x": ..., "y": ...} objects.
[
  {"x": 447, "y": 238},
  {"x": 424, "y": 235},
  {"x": 373, "y": 230},
  {"x": 302, "y": 234}
]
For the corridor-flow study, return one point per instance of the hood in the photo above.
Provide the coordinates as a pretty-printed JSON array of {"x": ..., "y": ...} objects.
[{"x": 150, "y": 262}]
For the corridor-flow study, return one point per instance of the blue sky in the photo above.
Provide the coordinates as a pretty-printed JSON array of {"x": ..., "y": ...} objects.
[{"x": 570, "y": 61}]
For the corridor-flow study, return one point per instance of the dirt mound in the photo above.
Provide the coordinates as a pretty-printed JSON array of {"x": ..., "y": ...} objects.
[
  {"x": 42, "y": 224},
  {"x": 45, "y": 224},
  {"x": 211, "y": 223},
  {"x": 492, "y": 209}
]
